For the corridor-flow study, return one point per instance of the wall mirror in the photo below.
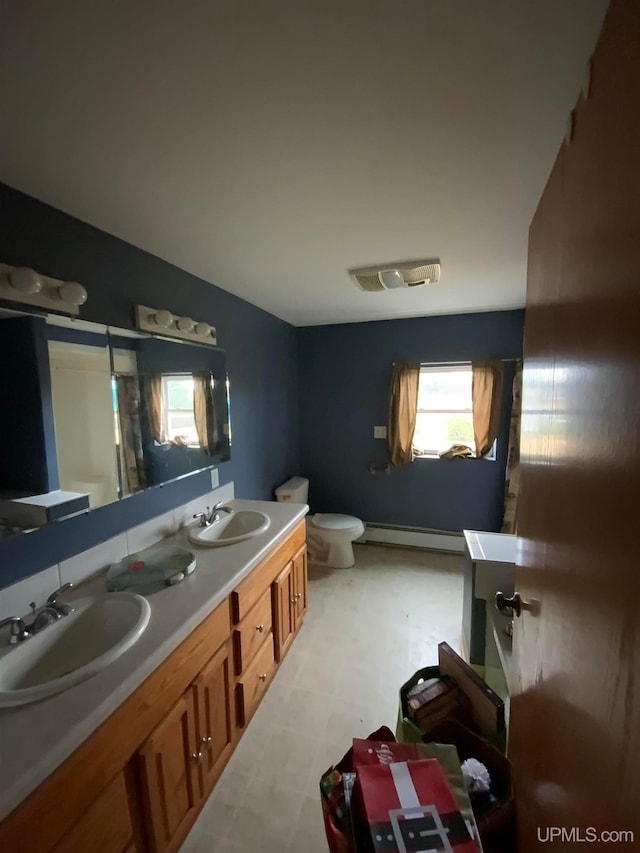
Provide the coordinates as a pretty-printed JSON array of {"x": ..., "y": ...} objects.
[{"x": 127, "y": 410}]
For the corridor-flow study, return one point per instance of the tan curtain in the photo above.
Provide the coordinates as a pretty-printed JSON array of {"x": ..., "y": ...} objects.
[
  {"x": 403, "y": 406},
  {"x": 486, "y": 395},
  {"x": 153, "y": 401},
  {"x": 204, "y": 412},
  {"x": 512, "y": 482}
]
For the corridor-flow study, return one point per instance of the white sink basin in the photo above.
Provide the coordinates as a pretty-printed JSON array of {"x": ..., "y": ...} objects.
[
  {"x": 77, "y": 646},
  {"x": 230, "y": 528}
]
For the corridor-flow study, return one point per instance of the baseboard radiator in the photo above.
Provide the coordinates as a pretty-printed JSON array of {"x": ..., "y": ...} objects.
[{"x": 414, "y": 537}]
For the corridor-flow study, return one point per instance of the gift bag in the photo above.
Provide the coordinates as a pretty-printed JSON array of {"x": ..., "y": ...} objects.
[
  {"x": 372, "y": 753},
  {"x": 408, "y": 806},
  {"x": 336, "y": 805}
]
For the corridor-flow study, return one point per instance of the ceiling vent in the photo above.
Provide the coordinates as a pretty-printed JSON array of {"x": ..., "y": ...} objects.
[{"x": 397, "y": 275}]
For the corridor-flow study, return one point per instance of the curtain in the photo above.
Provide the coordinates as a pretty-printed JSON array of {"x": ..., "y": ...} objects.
[
  {"x": 153, "y": 401},
  {"x": 512, "y": 481},
  {"x": 403, "y": 406},
  {"x": 131, "y": 456},
  {"x": 204, "y": 410},
  {"x": 486, "y": 395}
]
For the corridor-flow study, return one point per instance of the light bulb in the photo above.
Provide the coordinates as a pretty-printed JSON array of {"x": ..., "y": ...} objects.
[
  {"x": 163, "y": 318},
  {"x": 203, "y": 329},
  {"x": 185, "y": 324},
  {"x": 25, "y": 280},
  {"x": 72, "y": 292}
]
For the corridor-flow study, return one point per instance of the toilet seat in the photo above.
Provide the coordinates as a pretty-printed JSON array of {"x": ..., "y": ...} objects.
[{"x": 335, "y": 521}]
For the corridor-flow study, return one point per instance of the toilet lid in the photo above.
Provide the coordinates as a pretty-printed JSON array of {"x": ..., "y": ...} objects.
[{"x": 335, "y": 521}]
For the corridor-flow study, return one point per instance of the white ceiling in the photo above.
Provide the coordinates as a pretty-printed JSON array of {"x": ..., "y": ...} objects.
[{"x": 268, "y": 146}]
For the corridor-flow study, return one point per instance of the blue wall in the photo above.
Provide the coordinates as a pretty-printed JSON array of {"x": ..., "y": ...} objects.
[
  {"x": 344, "y": 374},
  {"x": 261, "y": 360},
  {"x": 336, "y": 377}
]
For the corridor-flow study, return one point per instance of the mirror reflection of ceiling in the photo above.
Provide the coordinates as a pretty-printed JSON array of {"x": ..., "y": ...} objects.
[{"x": 269, "y": 147}]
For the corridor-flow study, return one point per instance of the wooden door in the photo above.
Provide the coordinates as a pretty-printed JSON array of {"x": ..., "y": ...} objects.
[
  {"x": 169, "y": 776},
  {"x": 300, "y": 585},
  {"x": 216, "y": 723},
  {"x": 284, "y": 604},
  {"x": 575, "y": 718}
]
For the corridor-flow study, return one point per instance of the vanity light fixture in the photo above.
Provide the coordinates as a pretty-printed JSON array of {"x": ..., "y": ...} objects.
[
  {"x": 26, "y": 286},
  {"x": 159, "y": 321}
]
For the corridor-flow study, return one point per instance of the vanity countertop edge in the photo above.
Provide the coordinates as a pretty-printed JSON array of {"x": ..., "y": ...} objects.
[{"x": 35, "y": 739}]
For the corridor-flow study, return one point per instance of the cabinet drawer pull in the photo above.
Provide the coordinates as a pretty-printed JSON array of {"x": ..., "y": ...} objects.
[
  {"x": 298, "y": 596},
  {"x": 260, "y": 628},
  {"x": 263, "y": 677},
  {"x": 196, "y": 756},
  {"x": 207, "y": 739},
  {"x": 293, "y": 600}
]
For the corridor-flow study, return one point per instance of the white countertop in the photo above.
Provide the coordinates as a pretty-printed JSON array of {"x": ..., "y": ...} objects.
[
  {"x": 491, "y": 547},
  {"x": 35, "y": 739}
]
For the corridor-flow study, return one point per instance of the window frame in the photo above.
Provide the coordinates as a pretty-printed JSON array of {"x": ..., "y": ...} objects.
[
  {"x": 167, "y": 410},
  {"x": 453, "y": 367}
]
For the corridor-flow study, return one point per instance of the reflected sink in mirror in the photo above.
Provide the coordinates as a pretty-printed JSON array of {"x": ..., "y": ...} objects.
[
  {"x": 77, "y": 646},
  {"x": 229, "y": 529}
]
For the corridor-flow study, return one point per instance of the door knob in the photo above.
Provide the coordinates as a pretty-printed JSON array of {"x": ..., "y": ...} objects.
[
  {"x": 505, "y": 603},
  {"x": 260, "y": 628},
  {"x": 207, "y": 739},
  {"x": 196, "y": 756},
  {"x": 263, "y": 677}
]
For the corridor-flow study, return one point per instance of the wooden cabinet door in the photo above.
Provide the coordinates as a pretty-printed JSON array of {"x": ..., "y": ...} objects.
[
  {"x": 170, "y": 779},
  {"x": 300, "y": 585},
  {"x": 284, "y": 604},
  {"x": 105, "y": 827},
  {"x": 216, "y": 724}
]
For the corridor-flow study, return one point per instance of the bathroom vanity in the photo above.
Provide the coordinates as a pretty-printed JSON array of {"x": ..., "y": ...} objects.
[{"x": 124, "y": 761}]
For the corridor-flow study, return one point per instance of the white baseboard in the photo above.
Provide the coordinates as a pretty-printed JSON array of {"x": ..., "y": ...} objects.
[{"x": 414, "y": 537}]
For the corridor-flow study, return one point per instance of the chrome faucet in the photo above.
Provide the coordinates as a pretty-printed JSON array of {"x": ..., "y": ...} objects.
[
  {"x": 50, "y": 612},
  {"x": 19, "y": 630},
  {"x": 60, "y": 607},
  {"x": 218, "y": 510},
  {"x": 210, "y": 515}
]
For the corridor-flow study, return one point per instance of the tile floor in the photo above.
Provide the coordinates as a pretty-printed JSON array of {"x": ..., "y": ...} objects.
[{"x": 366, "y": 631}]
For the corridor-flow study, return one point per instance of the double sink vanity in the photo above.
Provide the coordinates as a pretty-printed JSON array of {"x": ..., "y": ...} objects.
[{"x": 123, "y": 758}]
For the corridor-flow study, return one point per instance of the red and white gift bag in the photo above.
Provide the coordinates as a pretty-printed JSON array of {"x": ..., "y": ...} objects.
[
  {"x": 382, "y": 752},
  {"x": 410, "y": 808}
]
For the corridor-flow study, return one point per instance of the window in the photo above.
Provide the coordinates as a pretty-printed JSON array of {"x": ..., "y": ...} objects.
[
  {"x": 444, "y": 414},
  {"x": 179, "y": 423}
]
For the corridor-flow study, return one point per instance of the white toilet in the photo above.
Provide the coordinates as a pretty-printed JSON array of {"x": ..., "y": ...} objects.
[{"x": 329, "y": 535}]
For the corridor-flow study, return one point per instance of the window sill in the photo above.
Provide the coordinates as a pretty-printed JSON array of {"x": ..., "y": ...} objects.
[{"x": 464, "y": 458}]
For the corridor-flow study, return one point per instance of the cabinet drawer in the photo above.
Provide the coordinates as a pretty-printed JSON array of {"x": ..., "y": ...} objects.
[
  {"x": 105, "y": 827},
  {"x": 249, "y": 635},
  {"x": 255, "y": 680},
  {"x": 253, "y": 586}
]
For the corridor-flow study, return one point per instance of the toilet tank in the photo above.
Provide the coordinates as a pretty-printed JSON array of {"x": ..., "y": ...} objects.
[{"x": 295, "y": 490}]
